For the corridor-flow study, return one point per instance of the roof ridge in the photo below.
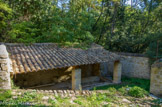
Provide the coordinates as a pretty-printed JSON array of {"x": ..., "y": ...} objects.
[{"x": 30, "y": 43}]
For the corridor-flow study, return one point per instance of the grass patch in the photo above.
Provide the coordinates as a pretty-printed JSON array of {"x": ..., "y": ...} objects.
[
  {"x": 129, "y": 82},
  {"x": 157, "y": 102},
  {"x": 116, "y": 95},
  {"x": 5, "y": 94},
  {"x": 25, "y": 99},
  {"x": 95, "y": 100},
  {"x": 130, "y": 86}
]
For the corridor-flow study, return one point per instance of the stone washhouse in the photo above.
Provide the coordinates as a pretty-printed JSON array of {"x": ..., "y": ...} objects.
[{"x": 48, "y": 66}]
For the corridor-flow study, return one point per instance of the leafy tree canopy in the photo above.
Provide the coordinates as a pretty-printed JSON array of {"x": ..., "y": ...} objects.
[{"x": 118, "y": 25}]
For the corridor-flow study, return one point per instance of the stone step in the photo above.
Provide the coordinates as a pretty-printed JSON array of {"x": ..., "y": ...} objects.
[{"x": 55, "y": 92}]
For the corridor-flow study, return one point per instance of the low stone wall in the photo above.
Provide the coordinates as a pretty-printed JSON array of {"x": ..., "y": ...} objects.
[
  {"x": 5, "y": 68},
  {"x": 133, "y": 65},
  {"x": 156, "y": 79}
]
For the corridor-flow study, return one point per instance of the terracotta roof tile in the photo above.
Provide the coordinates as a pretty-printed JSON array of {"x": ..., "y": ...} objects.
[{"x": 46, "y": 56}]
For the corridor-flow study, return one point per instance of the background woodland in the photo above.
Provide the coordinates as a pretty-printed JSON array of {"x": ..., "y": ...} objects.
[{"x": 118, "y": 25}]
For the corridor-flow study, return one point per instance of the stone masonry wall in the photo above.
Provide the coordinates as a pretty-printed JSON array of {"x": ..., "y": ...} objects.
[
  {"x": 156, "y": 79},
  {"x": 5, "y": 68},
  {"x": 133, "y": 65}
]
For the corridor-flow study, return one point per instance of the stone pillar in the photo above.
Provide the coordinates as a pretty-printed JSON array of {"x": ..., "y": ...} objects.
[
  {"x": 5, "y": 67},
  {"x": 117, "y": 72},
  {"x": 76, "y": 79},
  {"x": 156, "y": 79}
]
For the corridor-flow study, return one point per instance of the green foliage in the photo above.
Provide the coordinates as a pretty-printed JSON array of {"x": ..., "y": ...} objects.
[
  {"x": 106, "y": 99},
  {"x": 124, "y": 90},
  {"x": 112, "y": 23},
  {"x": 127, "y": 84},
  {"x": 112, "y": 90},
  {"x": 130, "y": 86},
  {"x": 154, "y": 50},
  {"x": 63, "y": 28},
  {"x": 51, "y": 101},
  {"x": 5, "y": 94},
  {"x": 26, "y": 10},
  {"x": 78, "y": 102},
  {"x": 137, "y": 92},
  {"x": 61, "y": 101},
  {"x": 23, "y": 32},
  {"x": 143, "y": 83},
  {"x": 157, "y": 102},
  {"x": 25, "y": 99},
  {"x": 30, "y": 96},
  {"x": 96, "y": 99},
  {"x": 5, "y": 16}
]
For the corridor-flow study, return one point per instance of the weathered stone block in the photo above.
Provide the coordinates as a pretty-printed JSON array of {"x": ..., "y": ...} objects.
[
  {"x": 5, "y": 80},
  {"x": 158, "y": 76},
  {"x": 160, "y": 73},
  {"x": 2, "y": 61},
  {"x": 3, "y": 52},
  {"x": 155, "y": 71},
  {"x": 156, "y": 80},
  {"x": 4, "y": 67},
  {"x": 76, "y": 79}
]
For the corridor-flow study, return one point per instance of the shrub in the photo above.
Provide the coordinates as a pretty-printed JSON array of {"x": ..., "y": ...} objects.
[
  {"x": 143, "y": 83},
  {"x": 5, "y": 94},
  {"x": 124, "y": 90},
  {"x": 137, "y": 92},
  {"x": 112, "y": 91}
]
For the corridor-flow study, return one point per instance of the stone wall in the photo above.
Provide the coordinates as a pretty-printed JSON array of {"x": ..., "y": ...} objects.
[
  {"x": 136, "y": 66},
  {"x": 133, "y": 65},
  {"x": 5, "y": 68},
  {"x": 156, "y": 79}
]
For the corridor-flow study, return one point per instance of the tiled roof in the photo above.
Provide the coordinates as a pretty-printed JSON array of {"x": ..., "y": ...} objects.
[{"x": 47, "y": 56}]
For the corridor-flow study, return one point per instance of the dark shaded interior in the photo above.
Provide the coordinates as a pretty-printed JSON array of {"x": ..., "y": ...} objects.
[{"x": 56, "y": 78}]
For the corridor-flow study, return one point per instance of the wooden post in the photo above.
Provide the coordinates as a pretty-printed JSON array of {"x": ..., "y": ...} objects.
[
  {"x": 76, "y": 79},
  {"x": 117, "y": 72}
]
